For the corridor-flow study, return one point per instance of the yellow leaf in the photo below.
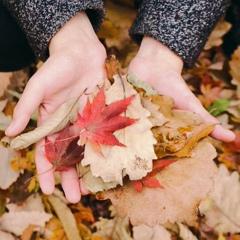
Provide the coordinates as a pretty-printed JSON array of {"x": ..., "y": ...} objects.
[
  {"x": 31, "y": 185},
  {"x": 66, "y": 217},
  {"x": 54, "y": 230}
]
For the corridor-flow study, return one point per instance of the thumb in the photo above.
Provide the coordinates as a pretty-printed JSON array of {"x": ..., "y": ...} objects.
[{"x": 28, "y": 103}]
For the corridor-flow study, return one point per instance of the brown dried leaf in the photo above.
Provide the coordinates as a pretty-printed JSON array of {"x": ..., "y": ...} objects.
[
  {"x": 185, "y": 182},
  {"x": 219, "y": 31},
  {"x": 234, "y": 69},
  {"x": 4, "y": 81},
  {"x": 180, "y": 134}
]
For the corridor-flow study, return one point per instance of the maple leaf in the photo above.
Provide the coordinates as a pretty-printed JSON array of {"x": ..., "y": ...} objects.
[
  {"x": 98, "y": 121},
  {"x": 134, "y": 160},
  {"x": 150, "y": 181},
  {"x": 64, "y": 152}
]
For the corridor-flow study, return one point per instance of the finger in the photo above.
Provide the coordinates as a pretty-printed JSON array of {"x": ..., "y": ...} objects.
[
  {"x": 83, "y": 190},
  {"x": 191, "y": 103},
  {"x": 70, "y": 185},
  {"x": 219, "y": 132},
  {"x": 44, "y": 169},
  {"x": 28, "y": 103}
]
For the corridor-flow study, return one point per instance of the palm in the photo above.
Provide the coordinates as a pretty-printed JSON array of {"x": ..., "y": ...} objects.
[{"x": 168, "y": 81}]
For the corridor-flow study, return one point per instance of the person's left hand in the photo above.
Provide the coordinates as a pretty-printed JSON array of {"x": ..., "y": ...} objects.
[{"x": 160, "y": 67}]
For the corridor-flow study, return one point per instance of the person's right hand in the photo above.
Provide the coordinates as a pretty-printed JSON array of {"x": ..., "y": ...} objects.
[{"x": 76, "y": 63}]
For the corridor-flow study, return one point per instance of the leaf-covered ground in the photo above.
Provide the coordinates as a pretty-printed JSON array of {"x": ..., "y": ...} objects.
[{"x": 25, "y": 213}]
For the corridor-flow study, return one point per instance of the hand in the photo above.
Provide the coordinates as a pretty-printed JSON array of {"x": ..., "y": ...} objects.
[
  {"x": 157, "y": 65},
  {"x": 76, "y": 63}
]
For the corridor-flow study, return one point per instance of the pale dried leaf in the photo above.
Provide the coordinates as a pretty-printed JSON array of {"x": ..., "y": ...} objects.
[
  {"x": 185, "y": 233},
  {"x": 224, "y": 120},
  {"x": 91, "y": 183},
  {"x": 222, "y": 207},
  {"x": 32, "y": 203},
  {"x": 116, "y": 228},
  {"x": 6, "y": 236},
  {"x": 4, "y": 81},
  {"x": 143, "y": 232},
  {"x": 66, "y": 113},
  {"x": 234, "y": 108},
  {"x": 32, "y": 212},
  {"x": 7, "y": 174},
  {"x": 13, "y": 221},
  {"x": 215, "y": 39},
  {"x": 66, "y": 217},
  {"x": 136, "y": 158},
  {"x": 156, "y": 117},
  {"x": 186, "y": 182}
]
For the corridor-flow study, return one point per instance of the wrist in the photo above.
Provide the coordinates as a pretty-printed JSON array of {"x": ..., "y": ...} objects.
[
  {"x": 158, "y": 52},
  {"x": 75, "y": 35}
]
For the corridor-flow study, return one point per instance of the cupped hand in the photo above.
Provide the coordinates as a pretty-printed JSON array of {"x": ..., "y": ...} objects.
[
  {"x": 157, "y": 65},
  {"x": 75, "y": 65}
]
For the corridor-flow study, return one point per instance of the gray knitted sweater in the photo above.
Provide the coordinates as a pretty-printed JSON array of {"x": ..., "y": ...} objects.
[{"x": 182, "y": 25}]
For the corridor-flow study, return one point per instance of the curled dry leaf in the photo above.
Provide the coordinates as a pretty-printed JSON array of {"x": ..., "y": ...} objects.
[
  {"x": 66, "y": 113},
  {"x": 135, "y": 159},
  {"x": 186, "y": 182},
  {"x": 180, "y": 134}
]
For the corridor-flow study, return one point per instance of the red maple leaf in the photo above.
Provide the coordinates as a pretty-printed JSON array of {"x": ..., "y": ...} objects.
[
  {"x": 98, "y": 122},
  {"x": 64, "y": 151},
  {"x": 150, "y": 181}
]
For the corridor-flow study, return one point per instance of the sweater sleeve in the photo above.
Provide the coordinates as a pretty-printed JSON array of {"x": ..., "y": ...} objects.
[
  {"x": 41, "y": 19},
  {"x": 183, "y": 26}
]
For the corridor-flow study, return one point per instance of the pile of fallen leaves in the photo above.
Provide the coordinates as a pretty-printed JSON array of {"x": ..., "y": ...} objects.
[{"x": 152, "y": 170}]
